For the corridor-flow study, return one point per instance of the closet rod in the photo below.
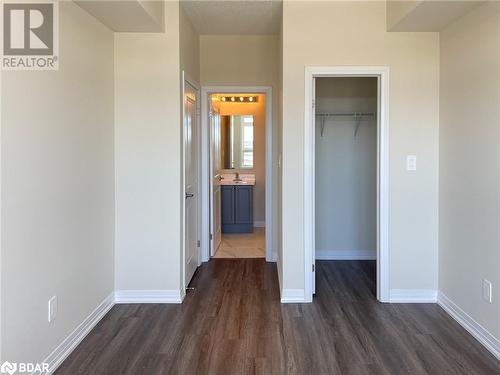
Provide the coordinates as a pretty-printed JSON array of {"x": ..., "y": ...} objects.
[{"x": 356, "y": 115}]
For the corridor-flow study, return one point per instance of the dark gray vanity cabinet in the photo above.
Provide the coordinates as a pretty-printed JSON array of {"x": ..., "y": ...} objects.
[{"x": 237, "y": 208}]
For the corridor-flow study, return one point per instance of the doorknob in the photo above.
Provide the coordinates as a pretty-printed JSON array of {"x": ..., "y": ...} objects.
[{"x": 189, "y": 195}]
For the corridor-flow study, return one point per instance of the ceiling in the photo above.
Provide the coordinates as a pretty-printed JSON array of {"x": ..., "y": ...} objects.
[
  {"x": 127, "y": 15},
  {"x": 250, "y": 17},
  {"x": 427, "y": 15}
]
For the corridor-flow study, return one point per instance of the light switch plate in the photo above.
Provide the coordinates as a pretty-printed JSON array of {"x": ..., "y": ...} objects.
[
  {"x": 52, "y": 308},
  {"x": 487, "y": 291},
  {"x": 411, "y": 162}
]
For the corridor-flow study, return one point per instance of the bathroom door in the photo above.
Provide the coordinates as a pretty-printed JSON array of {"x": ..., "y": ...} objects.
[
  {"x": 215, "y": 132},
  {"x": 191, "y": 188}
]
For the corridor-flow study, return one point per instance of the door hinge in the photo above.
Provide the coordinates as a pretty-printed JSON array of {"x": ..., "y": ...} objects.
[
  {"x": 313, "y": 267},
  {"x": 198, "y": 243},
  {"x": 314, "y": 103},
  {"x": 211, "y": 236}
]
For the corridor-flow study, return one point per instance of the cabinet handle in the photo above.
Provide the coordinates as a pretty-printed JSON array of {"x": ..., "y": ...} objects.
[{"x": 189, "y": 195}]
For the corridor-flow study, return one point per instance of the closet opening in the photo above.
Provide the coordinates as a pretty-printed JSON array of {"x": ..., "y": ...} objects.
[
  {"x": 346, "y": 186},
  {"x": 346, "y": 194}
]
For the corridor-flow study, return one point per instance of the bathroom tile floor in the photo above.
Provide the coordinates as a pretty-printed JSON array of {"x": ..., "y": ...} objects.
[{"x": 244, "y": 245}]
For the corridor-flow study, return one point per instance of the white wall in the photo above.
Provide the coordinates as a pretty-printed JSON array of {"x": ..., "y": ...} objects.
[
  {"x": 251, "y": 60},
  {"x": 57, "y": 189},
  {"x": 354, "y": 33},
  {"x": 189, "y": 41},
  {"x": 346, "y": 168},
  {"x": 469, "y": 248},
  {"x": 148, "y": 158}
]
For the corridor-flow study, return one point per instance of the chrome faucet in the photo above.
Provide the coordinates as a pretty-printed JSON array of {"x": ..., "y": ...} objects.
[{"x": 237, "y": 177}]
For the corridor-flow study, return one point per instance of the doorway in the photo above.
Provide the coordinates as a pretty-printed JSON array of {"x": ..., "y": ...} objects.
[
  {"x": 355, "y": 132},
  {"x": 238, "y": 149},
  {"x": 237, "y": 180}
]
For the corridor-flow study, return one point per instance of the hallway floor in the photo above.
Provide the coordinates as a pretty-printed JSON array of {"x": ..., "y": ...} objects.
[
  {"x": 244, "y": 245},
  {"x": 233, "y": 323}
]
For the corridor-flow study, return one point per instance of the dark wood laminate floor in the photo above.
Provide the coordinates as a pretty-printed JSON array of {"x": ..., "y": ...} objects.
[{"x": 233, "y": 323}]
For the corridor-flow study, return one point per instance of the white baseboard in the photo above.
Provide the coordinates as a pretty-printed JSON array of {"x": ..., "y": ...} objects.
[
  {"x": 480, "y": 333},
  {"x": 273, "y": 258},
  {"x": 259, "y": 224},
  {"x": 148, "y": 296},
  {"x": 346, "y": 254},
  {"x": 293, "y": 296},
  {"x": 413, "y": 296},
  {"x": 54, "y": 360},
  {"x": 71, "y": 342}
]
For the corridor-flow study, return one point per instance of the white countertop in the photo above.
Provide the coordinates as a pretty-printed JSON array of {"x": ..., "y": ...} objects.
[{"x": 246, "y": 179}]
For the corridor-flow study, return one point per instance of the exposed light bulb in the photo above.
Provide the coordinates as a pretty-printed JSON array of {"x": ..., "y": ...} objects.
[
  {"x": 223, "y": 98},
  {"x": 241, "y": 98},
  {"x": 250, "y": 99},
  {"x": 233, "y": 99}
]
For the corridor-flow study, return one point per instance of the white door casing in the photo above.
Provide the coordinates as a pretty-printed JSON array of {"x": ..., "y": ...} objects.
[{"x": 382, "y": 73}]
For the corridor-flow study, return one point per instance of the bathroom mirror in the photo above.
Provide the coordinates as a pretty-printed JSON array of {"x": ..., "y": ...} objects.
[{"x": 237, "y": 141}]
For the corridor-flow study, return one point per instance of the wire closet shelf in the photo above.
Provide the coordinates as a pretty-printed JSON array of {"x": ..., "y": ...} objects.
[{"x": 357, "y": 116}]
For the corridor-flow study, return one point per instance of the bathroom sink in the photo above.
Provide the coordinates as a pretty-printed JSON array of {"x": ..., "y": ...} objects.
[
  {"x": 244, "y": 179},
  {"x": 243, "y": 182}
]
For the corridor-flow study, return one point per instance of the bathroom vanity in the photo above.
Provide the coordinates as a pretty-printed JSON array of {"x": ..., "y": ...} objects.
[{"x": 237, "y": 204}]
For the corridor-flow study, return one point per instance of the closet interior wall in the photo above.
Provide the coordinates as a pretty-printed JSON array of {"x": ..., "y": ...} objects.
[{"x": 346, "y": 168}]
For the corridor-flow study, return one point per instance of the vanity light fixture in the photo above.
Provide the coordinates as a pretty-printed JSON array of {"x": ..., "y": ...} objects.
[{"x": 240, "y": 99}]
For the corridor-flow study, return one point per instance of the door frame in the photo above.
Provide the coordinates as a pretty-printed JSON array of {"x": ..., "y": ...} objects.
[
  {"x": 382, "y": 73},
  {"x": 206, "y": 91},
  {"x": 192, "y": 82}
]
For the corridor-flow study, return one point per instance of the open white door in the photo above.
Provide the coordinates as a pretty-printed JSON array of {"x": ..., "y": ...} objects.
[
  {"x": 191, "y": 190},
  {"x": 215, "y": 163}
]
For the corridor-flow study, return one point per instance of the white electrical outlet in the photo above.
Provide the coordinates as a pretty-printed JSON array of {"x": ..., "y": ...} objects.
[
  {"x": 52, "y": 308},
  {"x": 411, "y": 162},
  {"x": 487, "y": 292}
]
